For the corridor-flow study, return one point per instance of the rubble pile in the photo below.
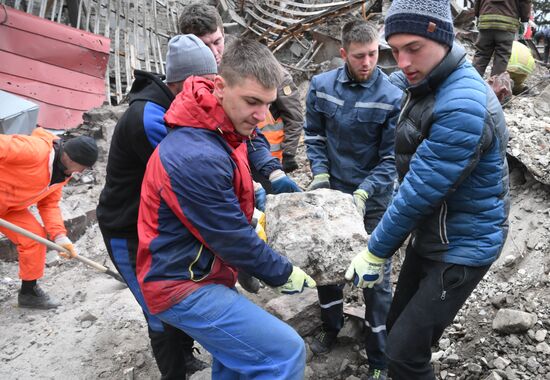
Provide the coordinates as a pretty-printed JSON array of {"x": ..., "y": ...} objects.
[{"x": 529, "y": 125}]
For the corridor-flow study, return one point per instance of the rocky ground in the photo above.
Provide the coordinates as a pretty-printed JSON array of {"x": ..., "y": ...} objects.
[{"x": 99, "y": 331}]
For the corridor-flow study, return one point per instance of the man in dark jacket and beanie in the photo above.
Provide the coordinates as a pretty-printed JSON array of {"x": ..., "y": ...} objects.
[
  {"x": 136, "y": 135},
  {"x": 453, "y": 196},
  {"x": 498, "y": 23}
]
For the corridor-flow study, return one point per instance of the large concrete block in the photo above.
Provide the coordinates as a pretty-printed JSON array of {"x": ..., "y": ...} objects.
[{"x": 319, "y": 231}]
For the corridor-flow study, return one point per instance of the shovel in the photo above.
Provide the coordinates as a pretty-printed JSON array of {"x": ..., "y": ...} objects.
[{"x": 57, "y": 247}]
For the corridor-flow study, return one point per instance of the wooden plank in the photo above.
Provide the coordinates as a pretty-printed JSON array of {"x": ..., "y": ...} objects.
[
  {"x": 312, "y": 55},
  {"x": 264, "y": 21},
  {"x": 60, "y": 11},
  {"x": 118, "y": 84},
  {"x": 292, "y": 12},
  {"x": 42, "y": 11},
  {"x": 30, "y": 6},
  {"x": 154, "y": 50},
  {"x": 306, "y": 54},
  {"x": 136, "y": 64},
  {"x": 156, "y": 39},
  {"x": 323, "y": 6},
  {"x": 107, "y": 30},
  {"x": 88, "y": 9},
  {"x": 79, "y": 16},
  {"x": 97, "y": 16},
  {"x": 127, "y": 47},
  {"x": 146, "y": 38},
  {"x": 52, "y": 15},
  {"x": 286, "y": 20}
]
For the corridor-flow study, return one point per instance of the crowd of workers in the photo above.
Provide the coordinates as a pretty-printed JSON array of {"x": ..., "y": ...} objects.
[{"x": 422, "y": 152}]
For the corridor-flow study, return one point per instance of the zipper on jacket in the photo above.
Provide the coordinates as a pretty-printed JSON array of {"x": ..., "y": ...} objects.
[
  {"x": 407, "y": 100},
  {"x": 251, "y": 143},
  {"x": 443, "y": 223},
  {"x": 443, "y": 295},
  {"x": 192, "y": 275}
]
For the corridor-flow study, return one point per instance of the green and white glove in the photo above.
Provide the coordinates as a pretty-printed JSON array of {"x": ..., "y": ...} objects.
[
  {"x": 360, "y": 197},
  {"x": 320, "y": 181},
  {"x": 296, "y": 282},
  {"x": 366, "y": 270}
]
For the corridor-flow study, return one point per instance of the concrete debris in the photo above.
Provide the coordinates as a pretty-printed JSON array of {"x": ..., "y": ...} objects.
[
  {"x": 319, "y": 231},
  {"x": 493, "y": 376},
  {"x": 301, "y": 311},
  {"x": 86, "y": 316},
  {"x": 501, "y": 363},
  {"x": 540, "y": 335},
  {"x": 508, "y": 321}
]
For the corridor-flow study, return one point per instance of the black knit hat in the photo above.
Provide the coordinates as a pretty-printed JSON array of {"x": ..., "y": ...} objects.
[
  {"x": 427, "y": 18},
  {"x": 82, "y": 150}
]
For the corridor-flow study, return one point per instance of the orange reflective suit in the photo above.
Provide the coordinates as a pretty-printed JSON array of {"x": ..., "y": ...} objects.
[{"x": 25, "y": 175}]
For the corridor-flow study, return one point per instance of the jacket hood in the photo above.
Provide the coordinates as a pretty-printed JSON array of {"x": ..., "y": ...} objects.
[
  {"x": 150, "y": 87},
  {"x": 197, "y": 107},
  {"x": 433, "y": 80}
]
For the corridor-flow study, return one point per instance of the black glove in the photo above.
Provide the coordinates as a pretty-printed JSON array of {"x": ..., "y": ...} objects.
[{"x": 289, "y": 163}]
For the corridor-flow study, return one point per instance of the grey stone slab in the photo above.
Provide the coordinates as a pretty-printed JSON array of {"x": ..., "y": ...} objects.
[{"x": 319, "y": 231}]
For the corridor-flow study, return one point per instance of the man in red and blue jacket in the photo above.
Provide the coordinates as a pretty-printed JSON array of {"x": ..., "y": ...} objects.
[{"x": 197, "y": 201}]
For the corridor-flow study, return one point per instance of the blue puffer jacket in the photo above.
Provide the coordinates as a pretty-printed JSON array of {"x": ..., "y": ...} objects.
[
  {"x": 451, "y": 161},
  {"x": 350, "y": 130}
]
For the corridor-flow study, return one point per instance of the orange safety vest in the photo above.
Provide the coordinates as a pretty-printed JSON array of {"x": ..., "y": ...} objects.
[{"x": 273, "y": 130}]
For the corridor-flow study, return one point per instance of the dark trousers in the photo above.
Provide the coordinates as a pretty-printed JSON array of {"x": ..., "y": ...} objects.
[
  {"x": 377, "y": 299},
  {"x": 493, "y": 42},
  {"x": 428, "y": 296},
  {"x": 546, "y": 49},
  {"x": 169, "y": 344}
]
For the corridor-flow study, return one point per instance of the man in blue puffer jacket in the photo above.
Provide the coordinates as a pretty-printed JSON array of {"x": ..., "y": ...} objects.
[
  {"x": 349, "y": 136},
  {"x": 450, "y": 149}
]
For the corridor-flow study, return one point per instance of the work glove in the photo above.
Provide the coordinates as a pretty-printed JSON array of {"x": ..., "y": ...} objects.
[
  {"x": 360, "y": 197},
  {"x": 366, "y": 270},
  {"x": 289, "y": 163},
  {"x": 260, "y": 196},
  {"x": 280, "y": 183},
  {"x": 66, "y": 243},
  {"x": 258, "y": 222},
  {"x": 296, "y": 282},
  {"x": 320, "y": 181}
]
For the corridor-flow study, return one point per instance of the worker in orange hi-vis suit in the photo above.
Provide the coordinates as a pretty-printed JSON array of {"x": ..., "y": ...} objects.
[{"x": 33, "y": 171}]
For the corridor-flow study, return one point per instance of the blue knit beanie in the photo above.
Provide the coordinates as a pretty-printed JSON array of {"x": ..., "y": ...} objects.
[{"x": 427, "y": 18}]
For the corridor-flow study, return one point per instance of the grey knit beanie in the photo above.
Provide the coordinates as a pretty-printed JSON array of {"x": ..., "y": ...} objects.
[
  {"x": 427, "y": 18},
  {"x": 188, "y": 55}
]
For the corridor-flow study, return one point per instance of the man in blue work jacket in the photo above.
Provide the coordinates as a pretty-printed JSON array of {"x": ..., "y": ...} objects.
[{"x": 351, "y": 114}]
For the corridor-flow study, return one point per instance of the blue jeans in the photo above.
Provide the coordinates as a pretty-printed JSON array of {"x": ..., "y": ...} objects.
[{"x": 245, "y": 341}]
